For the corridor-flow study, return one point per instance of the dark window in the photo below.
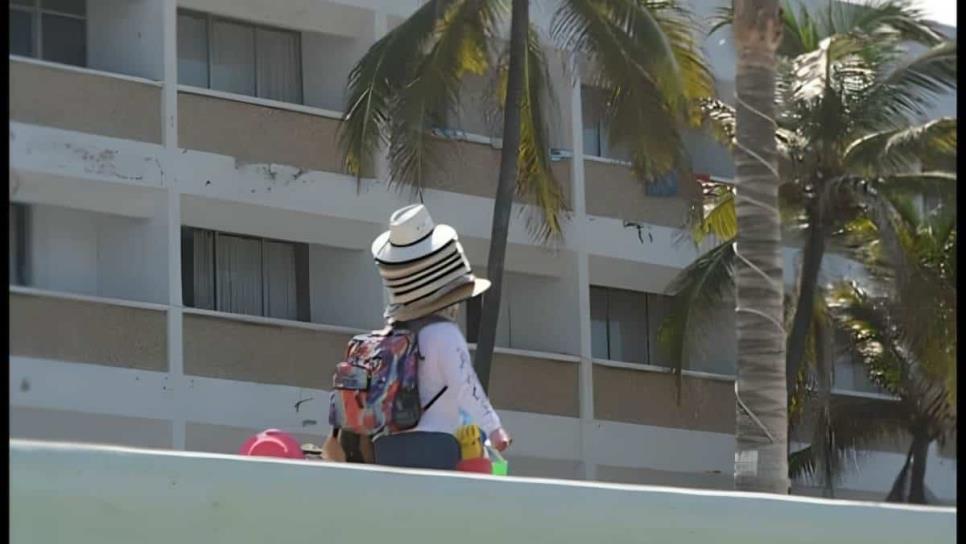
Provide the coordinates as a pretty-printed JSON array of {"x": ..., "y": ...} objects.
[
  {"x": 625, "y": 325},
  {"x": 239, "y": 57},
  {"x": 18, "y": 244},
  {"x": 245, "y": 275},
  {"x": 54, "y": 30}
]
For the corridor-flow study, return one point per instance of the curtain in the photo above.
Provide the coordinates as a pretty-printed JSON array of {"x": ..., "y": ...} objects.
[
  {"x": 192, "y": 50},
  {"x": 64, "y": 39},
  {"x": 277, "y": 62},
  {"x": 238, "y": 265},
  {"x": 598, "y": 323},
  {"x": 281, "y": 299},
  {"x": 232, "y": 57},
  {"x": 202, "y": 275},
  {"x": 658, "y": 307},
  {"x": 627, "y": 325}
]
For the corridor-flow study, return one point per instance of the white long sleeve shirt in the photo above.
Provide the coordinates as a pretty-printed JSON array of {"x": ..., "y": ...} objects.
[{"x": 446, "y": 362}]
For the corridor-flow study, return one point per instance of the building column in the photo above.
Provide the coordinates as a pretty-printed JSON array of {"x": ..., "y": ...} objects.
[
  {"x": 586, "y": 379},
  {"x": 169, "y": 115}
]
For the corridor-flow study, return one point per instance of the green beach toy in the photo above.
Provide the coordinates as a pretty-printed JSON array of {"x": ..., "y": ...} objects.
[{"x": 499, "y": 464}]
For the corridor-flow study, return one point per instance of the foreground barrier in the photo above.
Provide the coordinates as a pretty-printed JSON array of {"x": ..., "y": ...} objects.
[{"x": 91, "y": 494}]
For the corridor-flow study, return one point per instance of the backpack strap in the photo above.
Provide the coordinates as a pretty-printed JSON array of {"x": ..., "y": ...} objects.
[{"x": 415, "y": 326}]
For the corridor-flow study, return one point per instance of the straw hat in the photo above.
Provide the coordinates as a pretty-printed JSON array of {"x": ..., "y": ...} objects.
[{"x": 422, "y": 265}]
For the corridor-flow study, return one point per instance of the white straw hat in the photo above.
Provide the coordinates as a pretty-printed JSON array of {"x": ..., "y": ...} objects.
[{"x": 422, "y": 265}]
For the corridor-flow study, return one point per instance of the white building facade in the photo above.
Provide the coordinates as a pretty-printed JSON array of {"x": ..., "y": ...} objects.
[{"x": 188, "y": 257}]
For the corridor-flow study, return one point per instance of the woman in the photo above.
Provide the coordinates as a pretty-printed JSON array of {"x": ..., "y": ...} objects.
[{"x": 427, "y": 275}]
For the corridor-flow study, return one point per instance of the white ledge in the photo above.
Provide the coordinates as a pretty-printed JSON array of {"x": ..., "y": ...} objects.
[
  {"x": 277, "y": 104},
  {"x": 46, "y": 293},
  {"x": 159, "y": 497},
  {"x": 663, "y": 370},
  {"x": 606, "y": 160},
  {"x": 83, "y": 70},
  {"x": 260, "y": 320}
]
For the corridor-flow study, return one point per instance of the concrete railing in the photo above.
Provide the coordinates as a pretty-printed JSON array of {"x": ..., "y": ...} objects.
[{"x": 80, "y": 494}]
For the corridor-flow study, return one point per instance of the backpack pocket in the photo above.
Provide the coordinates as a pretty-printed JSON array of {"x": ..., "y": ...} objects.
[{"x": 350, "y": 377}]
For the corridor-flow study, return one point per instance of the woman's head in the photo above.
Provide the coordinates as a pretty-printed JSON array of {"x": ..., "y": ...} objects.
[{"x": 423, "y": 266}]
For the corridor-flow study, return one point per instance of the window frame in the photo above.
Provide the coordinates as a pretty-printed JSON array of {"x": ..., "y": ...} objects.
[
  {"x": 37, "y": 12},
  {"x": 211, "y": 18},
  {"x": 609, "y": 291},
  {"x": 301, "y": 264}
]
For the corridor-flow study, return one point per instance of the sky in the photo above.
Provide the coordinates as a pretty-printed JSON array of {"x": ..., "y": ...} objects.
[{"x": 941, "y": 11}]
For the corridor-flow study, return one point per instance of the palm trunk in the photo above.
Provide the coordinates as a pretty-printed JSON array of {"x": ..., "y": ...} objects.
[
  {"x": 920, "y": 454},
  {"x": 898, "y": 491},
  {"x": 502, "y": 205},
  {"x": 761, "y": 462},
  {"x": 812, "y": 255}
]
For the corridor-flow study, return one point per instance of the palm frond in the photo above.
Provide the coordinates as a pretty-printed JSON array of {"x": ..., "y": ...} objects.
[
  {"x": 463, "y": 32},
  {"x": 719, "y": 218},
  {"x": 909, "y": 90},
  {"x": 902, "y": 150},
  {"x": 375, "y": 80},
  {"x": 704, "y": 284},
  {"x": 647, "y": 60},
  {"x": 536, "y": 181},
  {"x": 852, "y": 424}
]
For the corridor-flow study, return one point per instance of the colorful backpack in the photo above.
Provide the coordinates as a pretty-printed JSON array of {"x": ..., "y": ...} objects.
[{"x": 375, "y": 390}]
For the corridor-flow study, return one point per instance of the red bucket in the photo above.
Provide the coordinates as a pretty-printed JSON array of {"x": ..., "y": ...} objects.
[
  {"x": 481, "y": 465},
  {"x": 273, "y": 443}
]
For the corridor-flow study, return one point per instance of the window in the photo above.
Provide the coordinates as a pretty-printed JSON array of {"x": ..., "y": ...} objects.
[
  {"x": 239, "y": 57},
  {"x": 244, "y": 275},
  {"x": 592, "y": 112},
  {"x": 54, "y": 30},
  {"x": 625, "y": 325},
  {"x": 18, "y": 244}
]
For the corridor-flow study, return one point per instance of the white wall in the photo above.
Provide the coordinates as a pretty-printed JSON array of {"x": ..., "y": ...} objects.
[
  {"x": 150, "y": 496},
  {"x": 97, "y": 254},
  {"x": 326, "y": 62},
  {"x": 543, "y": 313},
  {"x": 125, "y": 36},
  {"x": 344, "y": 288}
]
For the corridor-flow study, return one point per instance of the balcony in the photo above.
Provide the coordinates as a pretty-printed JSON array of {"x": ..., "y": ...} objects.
[
  {"x": 642, "y": 397},
  {"x": 81, "y": 329},
  {"x": 274, "y": 351},
  {"x": 471, "y": 166},
  {"x": 254, "y": 130},
  {"x": 613, "y": 191},
  {"x": 84, "y": 100}
]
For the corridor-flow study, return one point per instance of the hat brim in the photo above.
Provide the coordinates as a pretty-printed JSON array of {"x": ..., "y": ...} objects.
[
  {"x": 407, "y": 312},
  {"x": 385, "y": 252}
]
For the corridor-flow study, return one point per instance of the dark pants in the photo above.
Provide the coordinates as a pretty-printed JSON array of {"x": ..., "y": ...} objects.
[{"x": 417, "y": 449}]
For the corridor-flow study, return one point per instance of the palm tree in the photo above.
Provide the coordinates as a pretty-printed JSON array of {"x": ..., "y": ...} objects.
[
  {"x": 846, "y": 100},
  {"x": 761, "y": 430},
  {"x": 912, "y": 260},
  {"x": 842, "y": 130},
  {"x": 642, "y": 52}
]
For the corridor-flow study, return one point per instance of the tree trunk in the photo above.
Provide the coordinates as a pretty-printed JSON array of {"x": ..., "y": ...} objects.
[
  {"x": 920, "y": 454},
  {"x": 503, "y": 204},
  {"x": 761, "y": 462},
  {"x": 898, "y": 491},
  {"x": 812, "y": 255}
]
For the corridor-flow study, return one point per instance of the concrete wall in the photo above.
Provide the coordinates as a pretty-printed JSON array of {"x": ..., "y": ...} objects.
[
  {"x": 85, "y": 332},
  {"x": 84, "y": 102},
  {"x": 149, "y": 497},
  {"x": 133, "y": 23},
  {"x": 326, "y": 62},
  {"x": 345, "y": 288},
  {"x": 258, "y": 134},
  {"x": 96, "y": 254}
]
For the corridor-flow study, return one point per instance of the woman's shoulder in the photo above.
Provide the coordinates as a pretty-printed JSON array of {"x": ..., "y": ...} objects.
[{"x": 441, "y": 332}]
